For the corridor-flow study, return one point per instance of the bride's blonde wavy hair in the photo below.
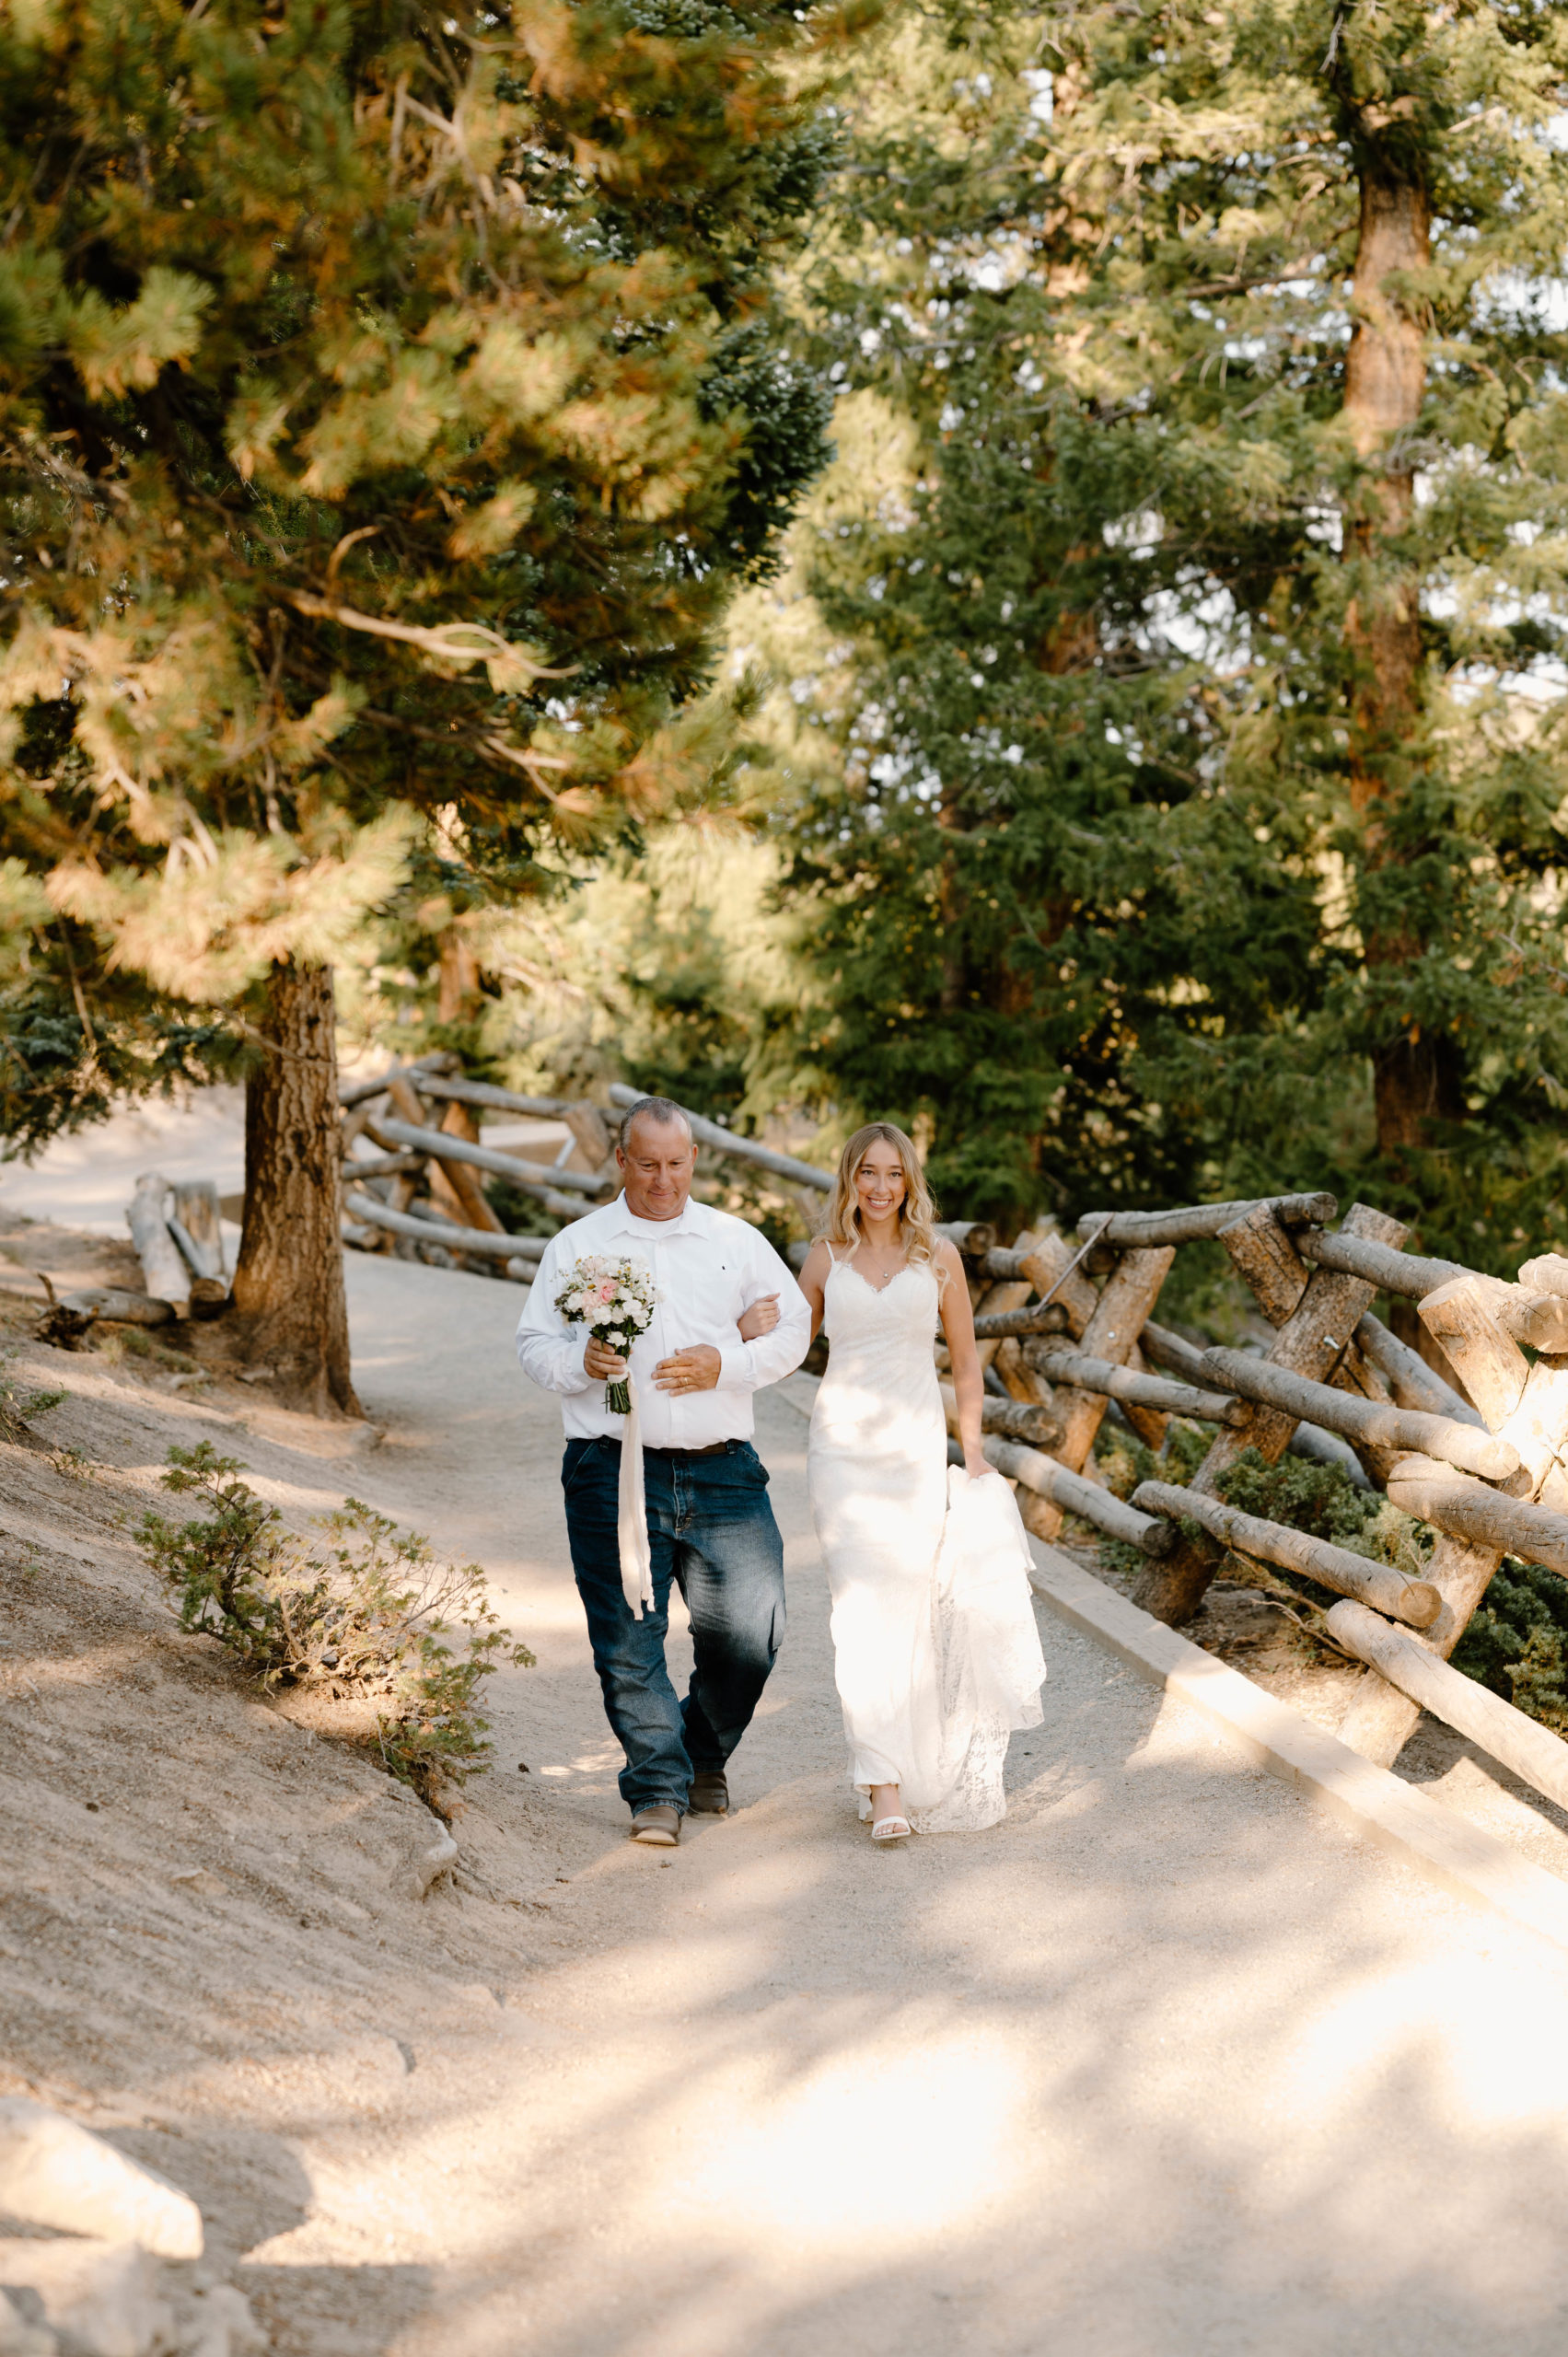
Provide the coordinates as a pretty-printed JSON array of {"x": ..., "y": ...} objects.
[{"x": 917, "y": 1213}]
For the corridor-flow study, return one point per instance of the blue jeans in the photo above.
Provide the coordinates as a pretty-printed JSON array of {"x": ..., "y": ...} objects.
[{"x": 712, "y": 1530}]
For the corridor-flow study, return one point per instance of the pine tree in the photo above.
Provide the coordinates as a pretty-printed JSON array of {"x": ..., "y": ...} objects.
[
  {"x": 390, "y": 398},
  {"x": 1197, "y": 707}
]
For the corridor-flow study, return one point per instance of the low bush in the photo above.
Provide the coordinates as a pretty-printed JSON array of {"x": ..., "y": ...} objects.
[
  {"x": 1299, "y": 1491},
  {"x": 364, "y": 1612},
  {"x": 1518, "y": 1642}
]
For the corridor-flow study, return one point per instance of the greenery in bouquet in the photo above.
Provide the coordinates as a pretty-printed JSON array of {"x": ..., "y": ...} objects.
[{"x": 614, "y": 1299}]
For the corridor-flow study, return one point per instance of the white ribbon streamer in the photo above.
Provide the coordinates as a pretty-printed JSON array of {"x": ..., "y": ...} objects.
[{"x": 631, "y": 1517}]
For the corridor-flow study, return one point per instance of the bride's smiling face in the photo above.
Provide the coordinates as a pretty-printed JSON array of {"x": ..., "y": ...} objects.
[{"x": 880, "y": 1182}]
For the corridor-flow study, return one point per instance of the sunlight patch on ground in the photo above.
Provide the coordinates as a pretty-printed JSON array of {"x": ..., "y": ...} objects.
[{"x": 893, "y": 2139}]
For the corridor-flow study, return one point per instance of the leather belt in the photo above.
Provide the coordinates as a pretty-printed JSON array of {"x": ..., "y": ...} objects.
[{"x": 715, "y": 1448}]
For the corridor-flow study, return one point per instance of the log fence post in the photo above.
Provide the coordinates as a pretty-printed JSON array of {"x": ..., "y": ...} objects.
[
  {"x": 1110, "y": 1333},
  {"x": 1311, "y": 1342}
]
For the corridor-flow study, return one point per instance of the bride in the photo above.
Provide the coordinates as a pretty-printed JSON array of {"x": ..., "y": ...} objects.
[{"x": 936, "y": 1651}]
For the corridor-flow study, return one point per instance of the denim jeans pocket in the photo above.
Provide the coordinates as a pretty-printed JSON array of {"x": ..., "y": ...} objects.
[{"x": 584, "y": 1459}]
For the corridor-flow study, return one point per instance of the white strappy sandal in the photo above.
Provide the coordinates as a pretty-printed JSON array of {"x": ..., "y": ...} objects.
[{"x": 891, "y": 1828}]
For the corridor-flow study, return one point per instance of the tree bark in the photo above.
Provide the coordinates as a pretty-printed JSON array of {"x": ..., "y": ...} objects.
[
  {"x": 1417, "y": 1074},
  {"x": 289, "y": 1287}
]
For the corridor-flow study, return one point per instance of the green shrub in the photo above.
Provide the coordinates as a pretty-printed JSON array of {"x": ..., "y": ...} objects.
[
  {"x": 364, "y": 1616},
  {"x": 1515, "y": 1643}
]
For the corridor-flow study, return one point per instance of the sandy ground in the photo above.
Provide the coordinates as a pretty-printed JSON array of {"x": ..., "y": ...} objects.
[{"x": 1164, "y": 2063}]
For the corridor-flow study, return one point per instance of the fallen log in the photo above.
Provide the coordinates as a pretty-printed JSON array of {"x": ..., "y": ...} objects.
[
  {"x": 1049, "y": 1317},
  {"x": 1126, "y": 1383},
  {"x": 1197, "y": 1221},
  {"x": 782, "y": 1165},
  {"x": 1414, "y": 1383},
  {"x": 1415, "y": 1601},
  {"x": 1484, "y": 1516},
  {"x": 1528, "y": 1750},
  {"x": 537, "y": 1179},
  {"x": 478, "y": 1241},
  {"x": 1369, "y": 1421},
  {"x": 163, "y": 1267},
  {"x": 1380, "y": 1265},
  {"x": 1072, "y": 1495},
  {"x": 117, "y": 1305}
]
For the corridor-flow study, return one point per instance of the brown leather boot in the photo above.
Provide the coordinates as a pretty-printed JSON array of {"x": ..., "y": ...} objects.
[{"x": 659, "y": 1827}]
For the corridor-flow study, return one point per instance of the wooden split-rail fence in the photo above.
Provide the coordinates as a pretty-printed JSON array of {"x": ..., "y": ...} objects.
[{"x": 1066, "y": 1326}]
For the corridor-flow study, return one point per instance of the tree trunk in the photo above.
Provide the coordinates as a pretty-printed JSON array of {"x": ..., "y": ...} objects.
[
  {"x": 1417, "y": 1076},
  {"x": 456, "y": 986},
  {"x": 289, "y": 1287}
]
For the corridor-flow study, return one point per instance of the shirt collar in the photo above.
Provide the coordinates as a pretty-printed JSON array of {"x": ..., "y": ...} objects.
[{"x": 696, "y": 1219}]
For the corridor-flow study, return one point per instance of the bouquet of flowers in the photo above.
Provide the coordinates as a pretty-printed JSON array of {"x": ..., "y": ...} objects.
[{"x": 614, "y": 1299}]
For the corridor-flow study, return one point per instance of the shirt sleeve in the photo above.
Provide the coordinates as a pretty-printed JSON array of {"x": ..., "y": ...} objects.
[
  {"x": 549, "y": 1350},
  {"x": 750, "y": 1366}
]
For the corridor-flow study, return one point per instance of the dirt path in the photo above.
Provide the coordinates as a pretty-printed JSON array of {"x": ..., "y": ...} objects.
[{"x": 1164, "y": 2065}]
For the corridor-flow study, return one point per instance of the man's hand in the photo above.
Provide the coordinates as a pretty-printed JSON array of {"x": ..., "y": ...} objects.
[
  {"x": 694, "y": 1370},
  {"x": 599, "y": 1359}
]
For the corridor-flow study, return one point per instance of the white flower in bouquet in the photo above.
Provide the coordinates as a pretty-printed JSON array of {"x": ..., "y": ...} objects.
[{"x": 614, "y": 1299}]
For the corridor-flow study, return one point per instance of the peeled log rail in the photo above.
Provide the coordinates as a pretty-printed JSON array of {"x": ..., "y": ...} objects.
[
  {"x": 1198, "y": 1222},
  {"x": 1074, "y": 1495},
  {"x": 1379, "y": 1264},
  {"x": 782, "y": 1165},
  {"x": 1535, "y": 1755},
  {"x": 1415, "y": 1601},
  {"x": 1408, "y": 1372},
  {"x": 360, "y": 1092},
  {"x": 382, "y": 1166},
  {"x": 474, "y": 1240},
  {"x": 1367, "y": 1421},
  {"x": 1486, "y": 1517},
  {"x": 499, "y": 1100},
  {"x": 536, "y": 1178},
  {"x": 975, "y": 1239},
  {"x": 1044, "y": 1318},
  {"x": 1169, "y": 1349},
  {"x": 1013, "y": 1418},
  {"x": 1126, "y": 1383}
]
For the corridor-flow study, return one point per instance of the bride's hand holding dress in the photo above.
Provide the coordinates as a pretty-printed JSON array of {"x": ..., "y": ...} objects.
[{"x": 936, "y": 1651}]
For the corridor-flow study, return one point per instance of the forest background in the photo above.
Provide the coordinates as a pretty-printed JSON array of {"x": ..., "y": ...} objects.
[{"x": 1139, "y": 768}]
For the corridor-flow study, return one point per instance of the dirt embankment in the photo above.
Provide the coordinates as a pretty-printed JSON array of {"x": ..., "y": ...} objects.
[{"x": 203, "y": 1910}]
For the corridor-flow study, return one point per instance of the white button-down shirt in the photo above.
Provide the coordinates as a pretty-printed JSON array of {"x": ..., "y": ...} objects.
[{"x": 709, "y": 1268}]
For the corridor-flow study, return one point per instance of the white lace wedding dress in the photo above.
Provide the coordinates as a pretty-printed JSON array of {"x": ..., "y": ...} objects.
[{"x": 935, "y": 1649}]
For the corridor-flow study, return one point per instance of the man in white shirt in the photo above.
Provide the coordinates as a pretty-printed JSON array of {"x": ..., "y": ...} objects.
[{"x": 710, "y": 1526}]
